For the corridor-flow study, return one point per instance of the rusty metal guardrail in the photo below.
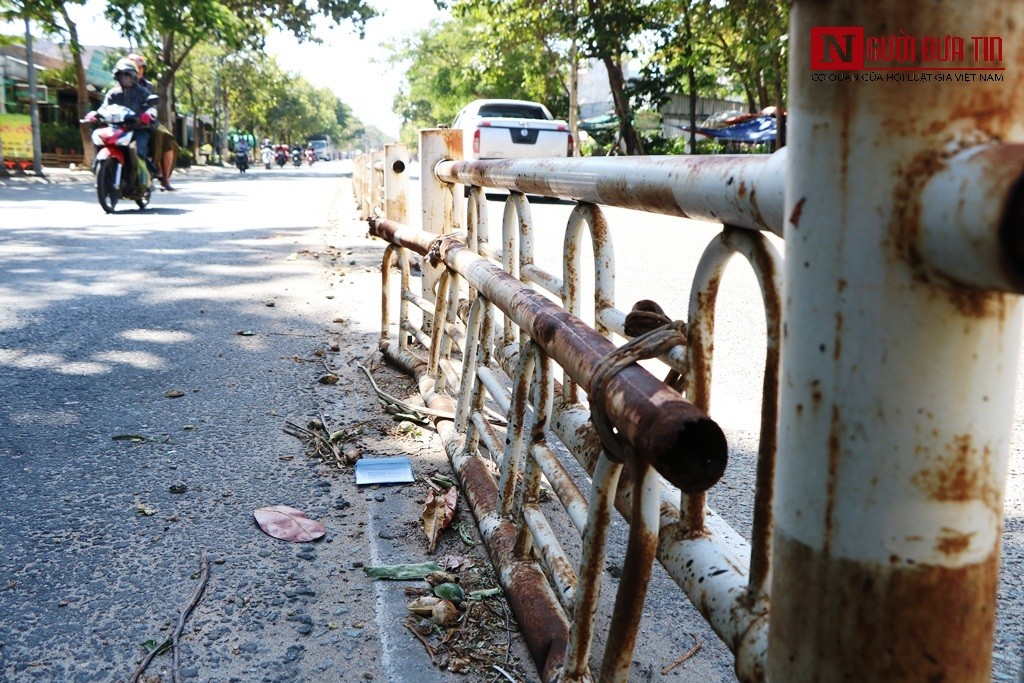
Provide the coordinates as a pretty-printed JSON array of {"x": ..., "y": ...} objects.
[{"x": 893, "y": 324}]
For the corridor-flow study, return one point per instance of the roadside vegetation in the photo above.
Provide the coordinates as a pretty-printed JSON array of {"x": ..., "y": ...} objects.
[
  {"x": 206, "y": 59},
  {"x": 534, "y": 50}
]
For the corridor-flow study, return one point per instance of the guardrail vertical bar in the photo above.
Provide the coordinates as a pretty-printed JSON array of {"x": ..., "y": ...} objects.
[
  {"x": 896, "y": 391},
  {"x": 396, "y": 182},
  {"x": 376, "y": 181},
  {"x": 441, "y": 212},
  {"x": 362, "y": 186},
  {"x": 396, "y": 208}
]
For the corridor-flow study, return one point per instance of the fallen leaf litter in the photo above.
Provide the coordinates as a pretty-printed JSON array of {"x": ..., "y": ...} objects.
[{"x": 469, "y": 628}]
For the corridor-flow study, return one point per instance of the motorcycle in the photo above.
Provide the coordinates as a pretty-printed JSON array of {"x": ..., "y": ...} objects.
[
  {"x": 282, "y": 157},
  {"x": 267, "y": 155},
  {"x": 242, "y": 159},
  {"x": 297, "y": 157},
  {"x": 310, "y": 156},
  {"x": 119, "y": 172}
]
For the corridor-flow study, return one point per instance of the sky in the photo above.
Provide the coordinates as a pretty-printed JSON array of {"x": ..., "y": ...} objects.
[{"x": 356, "y": 70}]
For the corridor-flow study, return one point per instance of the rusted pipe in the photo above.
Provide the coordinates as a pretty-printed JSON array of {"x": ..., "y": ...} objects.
[
  {"x": 542, "y": 621},
  {"x": 744, "y": 190},
  {"x": 972, "y": 219},
  {"x": 681, "y": 442}
]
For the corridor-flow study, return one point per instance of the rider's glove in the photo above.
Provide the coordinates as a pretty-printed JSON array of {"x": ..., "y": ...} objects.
[
  {"x": 131, "y": 118},
  {"x": 90, "y": 117},
  {"x": 146, "y": 118}
]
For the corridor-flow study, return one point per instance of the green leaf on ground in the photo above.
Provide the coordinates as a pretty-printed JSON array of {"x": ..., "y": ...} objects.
[{"x": 402, "y": 572}]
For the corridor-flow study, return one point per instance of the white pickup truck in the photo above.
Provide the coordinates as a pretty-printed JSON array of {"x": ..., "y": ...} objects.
[{"x": 511, "y": 129}]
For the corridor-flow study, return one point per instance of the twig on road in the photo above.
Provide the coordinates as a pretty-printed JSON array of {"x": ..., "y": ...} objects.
[
  {"x": 686, "y": 655},
  {"x": 183, "y": 615},
  {"x": 388, "y": 399}
]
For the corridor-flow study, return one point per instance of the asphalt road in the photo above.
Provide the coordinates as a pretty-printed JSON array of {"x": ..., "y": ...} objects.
[
  {"x": 148, "y": 364},
  {"x": 101, "y": 316}
]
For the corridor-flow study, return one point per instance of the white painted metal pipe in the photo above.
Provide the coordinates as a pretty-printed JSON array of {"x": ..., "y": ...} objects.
[
  {"x": 972, "y": 219},
  {"x": 743, "y": 190},
  {"x": 896, "y": 392}
]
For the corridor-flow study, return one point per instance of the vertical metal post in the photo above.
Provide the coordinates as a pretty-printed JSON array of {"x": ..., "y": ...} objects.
[
  {"x": 396, "y": 208},
  {"x": 396, "y": 183},
  {"x": 367, "y": 171},
  {"x": 896, "y": 392},
  {"x": 376, "y": 182},
  {"x": 442, "y": 210}
]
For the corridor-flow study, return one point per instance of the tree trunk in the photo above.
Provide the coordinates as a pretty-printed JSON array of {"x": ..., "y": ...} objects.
[
  {"x": 3, "y": 110},
  {"x": 81, "y": 84},
  {"x": 618, "y": 87},
  {"x": 780, "y": 112},
  {"x": 762, "y": 93},
  {"x": 691, "y": 77},
  {"x": 224, "y": 127},
  {"x": 165, "y": 84},
  {"x": 574, "y": 96}
]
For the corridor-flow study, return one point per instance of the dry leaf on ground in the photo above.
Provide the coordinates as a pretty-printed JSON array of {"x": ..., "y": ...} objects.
[
  {"x": 456, "y": 563},
  {"x": 288, "y": 524},
  {"x": 438, "y": 513}
]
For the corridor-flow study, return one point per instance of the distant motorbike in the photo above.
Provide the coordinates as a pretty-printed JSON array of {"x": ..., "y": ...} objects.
[
  {"x": 310, "y": 156},
  {"x": 119, "y": 172},
  {"x": 242, "y": 160},
  {"x": 281, "y": 157},
  {"x": 267, "y": 155},
  {"x": 297, "y": 157}
]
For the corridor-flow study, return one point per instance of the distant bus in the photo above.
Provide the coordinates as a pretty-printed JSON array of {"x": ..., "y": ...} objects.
[{"x": 323, "y": 147}]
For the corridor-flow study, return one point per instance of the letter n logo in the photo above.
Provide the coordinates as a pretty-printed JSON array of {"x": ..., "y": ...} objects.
[{"x": 837, "y": 48}]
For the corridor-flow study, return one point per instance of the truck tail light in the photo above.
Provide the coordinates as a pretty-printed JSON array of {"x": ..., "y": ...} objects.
[
  {"x": 570, "y": 145},
  {"x": 476, "y": 141}
]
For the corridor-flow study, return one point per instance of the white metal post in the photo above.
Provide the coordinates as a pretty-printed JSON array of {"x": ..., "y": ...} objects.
[
  {"x": 396, "y": 183},
  {"x": 897, "y": 389},
  {"x": 441, "y": 205}
]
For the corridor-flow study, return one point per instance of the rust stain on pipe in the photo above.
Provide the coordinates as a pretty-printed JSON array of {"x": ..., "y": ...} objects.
[
  {"x": 680, "y": 441},
  {"x": 915, "y": 645},
  {"x": 959, "y": 475}
]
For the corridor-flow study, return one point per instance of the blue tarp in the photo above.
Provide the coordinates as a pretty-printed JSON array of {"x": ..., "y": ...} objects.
[{"x": 755, "y": 130}]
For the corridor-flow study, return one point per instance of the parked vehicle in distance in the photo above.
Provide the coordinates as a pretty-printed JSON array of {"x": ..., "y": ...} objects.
[
  {"x": 323, "y": 147},
  {"x": 511, "y": 129}
]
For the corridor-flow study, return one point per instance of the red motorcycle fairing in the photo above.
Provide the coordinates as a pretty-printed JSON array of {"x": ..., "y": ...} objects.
[{"x": 116, "y": 152}]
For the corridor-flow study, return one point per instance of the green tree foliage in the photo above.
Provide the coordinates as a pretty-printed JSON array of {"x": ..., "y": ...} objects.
[
  {"x": 175, "y": 28},
  {"x": 454, "y": 62},
  {"x": 752, "y": 37},
  {"x": 696, "y": 47},
  {"x": 261, "y": 97},
  {"x": 53, "y": 16}
]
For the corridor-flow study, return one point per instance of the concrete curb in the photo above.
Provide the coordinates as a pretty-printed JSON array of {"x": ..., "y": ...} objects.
[{"x": 58, "y": 175}]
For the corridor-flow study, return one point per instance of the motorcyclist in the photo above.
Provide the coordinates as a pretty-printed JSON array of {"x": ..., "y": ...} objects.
[
  {"x": 165, "y": 147},
  {"x": 242, "y": 154},
  {"x": 129, "y": 93}
]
